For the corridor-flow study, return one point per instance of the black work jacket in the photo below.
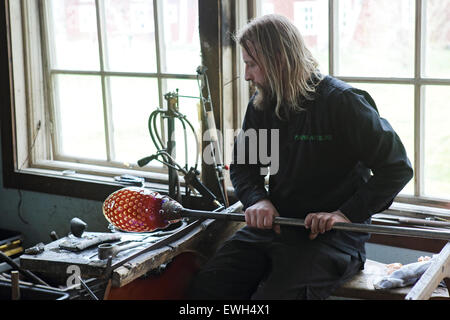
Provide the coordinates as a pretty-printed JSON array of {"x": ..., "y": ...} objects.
[{"x": 338, "y": 153}]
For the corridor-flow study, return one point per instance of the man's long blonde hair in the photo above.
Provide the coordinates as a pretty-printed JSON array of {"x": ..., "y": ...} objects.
[{"x": 290, "y": 70}]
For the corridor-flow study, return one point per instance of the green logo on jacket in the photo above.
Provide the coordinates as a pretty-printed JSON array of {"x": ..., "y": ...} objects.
[{"x": 309, "y": 137}]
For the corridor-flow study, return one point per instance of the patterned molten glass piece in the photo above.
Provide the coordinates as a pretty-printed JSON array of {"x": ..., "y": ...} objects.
[{"x": 135, "y": 209}]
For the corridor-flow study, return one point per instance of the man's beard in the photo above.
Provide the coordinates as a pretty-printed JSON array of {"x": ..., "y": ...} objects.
[{"x": 263, "y": 99}]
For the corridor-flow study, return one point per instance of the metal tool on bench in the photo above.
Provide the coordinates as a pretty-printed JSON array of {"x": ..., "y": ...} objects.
[
  {"x": 164, "y": 210},
  {"x": 88, "y": 290},
  {"x": 165, "y": 241},
  {"x": 106, "y": 250}
]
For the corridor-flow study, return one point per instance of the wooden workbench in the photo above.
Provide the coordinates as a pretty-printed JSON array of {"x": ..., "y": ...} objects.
[{"x": 202, "y": 236}]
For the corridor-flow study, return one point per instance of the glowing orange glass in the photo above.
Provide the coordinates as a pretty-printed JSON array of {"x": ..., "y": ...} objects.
[{"x": 135, "y": 209}]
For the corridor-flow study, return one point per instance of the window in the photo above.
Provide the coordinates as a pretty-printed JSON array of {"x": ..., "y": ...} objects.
[
  {"x": 398, "y": 51},
  {"x": 94, "y": 71},
  {"x": 109, "y": 65}
]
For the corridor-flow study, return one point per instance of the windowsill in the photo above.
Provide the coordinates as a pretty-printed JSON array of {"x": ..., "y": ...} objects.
[
  {"x": 78, "y": 185},
  {"x": 155, "y": 180},
  {"x": 92, "y": 172},
  {"x": 407, "y": 209},
  {"x": 89, "y": 182}
]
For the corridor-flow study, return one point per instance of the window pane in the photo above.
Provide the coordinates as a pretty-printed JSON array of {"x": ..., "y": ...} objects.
[
  {"x": 79, "y": 115},
  {"x": 132, "y": 101},
  {"x": 130, "y": 36},
  {"x": 180, "y": 45},
  {"x": 73, "y": 35},
  {"x": 396, "y": 104},
  {"x": 190, "y": 108},
  {"x": 437, "y": 142},
  {"x": 437, "y": 29},
  {"x": 311, "y": 18},
  {"x": 376, "y": 38}
]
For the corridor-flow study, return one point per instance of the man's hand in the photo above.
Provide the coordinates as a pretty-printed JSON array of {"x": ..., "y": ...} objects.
[
  {"x": 261, "y": 215},
  {"x": 323, "y": 221}
]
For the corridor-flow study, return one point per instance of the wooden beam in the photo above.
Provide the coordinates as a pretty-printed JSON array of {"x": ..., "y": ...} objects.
[
  {"x": 429, "y": 281},
  {"x": 210, "y": 43},
  {"x": 216, "y": 24}
]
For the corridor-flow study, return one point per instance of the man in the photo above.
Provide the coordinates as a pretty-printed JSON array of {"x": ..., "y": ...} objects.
[{"x": 330, "y": 139}]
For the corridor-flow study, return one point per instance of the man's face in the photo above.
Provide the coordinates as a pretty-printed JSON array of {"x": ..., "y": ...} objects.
[{"x": 252, "y": 71}]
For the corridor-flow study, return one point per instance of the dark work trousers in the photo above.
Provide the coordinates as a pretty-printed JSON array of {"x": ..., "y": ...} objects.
[{"x": 262, "y": 265}]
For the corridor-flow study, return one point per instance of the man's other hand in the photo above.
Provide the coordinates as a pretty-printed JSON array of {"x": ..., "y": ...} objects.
[
  {"x": 320, "y": 222},
  {"x": 261, "y": 215}
]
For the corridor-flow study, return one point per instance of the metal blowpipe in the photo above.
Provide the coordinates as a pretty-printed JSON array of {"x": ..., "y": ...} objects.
[{"x": 174, "y": 210}]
